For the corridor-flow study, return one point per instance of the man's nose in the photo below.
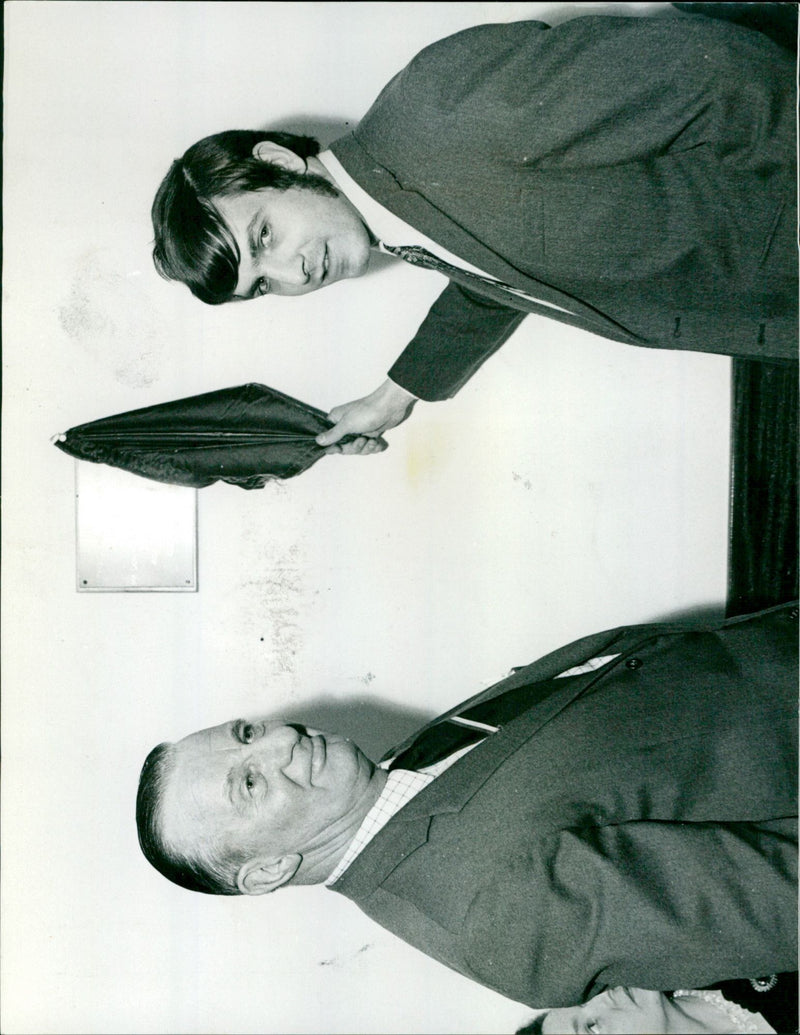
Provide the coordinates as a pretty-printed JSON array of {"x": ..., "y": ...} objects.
[
  {"x": 289, "y": 269},
  {"x": 280, "y": 742}
]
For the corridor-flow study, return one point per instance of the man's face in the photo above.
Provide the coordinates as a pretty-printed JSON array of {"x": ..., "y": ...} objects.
[
  {"x": 623, "y": 1010},
  {"x": 294, "y": 241},
  {"x": 262, "y": 785}
]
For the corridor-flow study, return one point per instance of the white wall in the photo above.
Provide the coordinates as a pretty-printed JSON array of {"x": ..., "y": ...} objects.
[{"x": 574, "y": 484}]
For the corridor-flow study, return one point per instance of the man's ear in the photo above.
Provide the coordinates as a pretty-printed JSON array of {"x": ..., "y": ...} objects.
[
  {"x": 263, "y": 873},
  {"x": 267, "y": 151}
]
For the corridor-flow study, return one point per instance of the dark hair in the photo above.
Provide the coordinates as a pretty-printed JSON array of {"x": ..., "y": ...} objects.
[
  {"x": 192, "y": 242},
  {"x": 195, "y": 875},
  {"x": 534, "y": 1027}
]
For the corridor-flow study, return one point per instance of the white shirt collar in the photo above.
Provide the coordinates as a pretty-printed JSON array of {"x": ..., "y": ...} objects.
[
  {"x": 401, "y": 786},
  {"x": 385, "y": 225}
]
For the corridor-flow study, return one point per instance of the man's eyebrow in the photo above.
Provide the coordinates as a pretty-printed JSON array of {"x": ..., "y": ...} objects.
[
  {"x": 231, "y": 786},
  {"x": 252, "y": 241},
  {"x": 251, "y": 237}
]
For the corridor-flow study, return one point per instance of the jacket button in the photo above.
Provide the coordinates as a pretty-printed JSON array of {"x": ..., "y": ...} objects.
[{"x": 633, "y": 663}]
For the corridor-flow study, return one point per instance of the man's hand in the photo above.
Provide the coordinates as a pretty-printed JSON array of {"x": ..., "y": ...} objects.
[
  {"x": 361, "y": 446},
  {"x": 368, "y": 418}
]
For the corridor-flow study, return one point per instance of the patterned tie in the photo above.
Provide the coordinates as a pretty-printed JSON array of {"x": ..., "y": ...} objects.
[
  {"x": 580, "y": 314},
  {"x": 446, "y": 736},
  {"x": 494, "y": 289}
]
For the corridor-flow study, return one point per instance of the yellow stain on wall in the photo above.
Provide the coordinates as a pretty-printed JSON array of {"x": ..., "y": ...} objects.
[{"x": 428, "y": 449}]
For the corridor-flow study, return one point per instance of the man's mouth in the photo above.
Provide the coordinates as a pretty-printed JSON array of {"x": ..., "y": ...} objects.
[
  {"x": 318, "y": 748},
  {"x": 318, "y": 754},
  {"x": 325, "y": 264}
]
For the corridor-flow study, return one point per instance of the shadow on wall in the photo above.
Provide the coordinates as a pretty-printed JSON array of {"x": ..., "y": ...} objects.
[
  {"x": 566, "y": 12},
  {"x": 325, "y": 130},
  {"x": 695, "y": 615},
  {"x": 374, "y": 724}
]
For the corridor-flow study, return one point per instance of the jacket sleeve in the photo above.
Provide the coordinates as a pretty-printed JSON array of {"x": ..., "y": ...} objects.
[
  {"x": 646, "y": 904},
  {"x": 461, "y": 331},
  {"x": 592, "y": 99}
]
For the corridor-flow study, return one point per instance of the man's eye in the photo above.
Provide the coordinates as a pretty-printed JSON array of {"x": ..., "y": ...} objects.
[
  {"x": 254, "y": 783},
  {"x": 249, "y": 731},
  {"x": 262, "y": 287},
  {"x": 593, "y": 1028},
  {"x": 264, "y": 235}
]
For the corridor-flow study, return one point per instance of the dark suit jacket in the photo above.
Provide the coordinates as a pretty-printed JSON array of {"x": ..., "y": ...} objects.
[
  {"x": 636, "y": 826},
  {"x": 639, "y": 172}
]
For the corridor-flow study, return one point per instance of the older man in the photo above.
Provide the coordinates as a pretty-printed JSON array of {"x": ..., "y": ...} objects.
[
  {"x": 621, "y": 812},
  {"x": 634, "y": 177}
]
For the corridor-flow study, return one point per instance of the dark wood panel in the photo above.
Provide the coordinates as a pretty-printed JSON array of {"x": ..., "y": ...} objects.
[{"x": 763, "y": 546}]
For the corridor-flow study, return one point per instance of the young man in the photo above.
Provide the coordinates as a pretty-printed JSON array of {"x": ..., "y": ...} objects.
[{"x": 634, "y": 177}]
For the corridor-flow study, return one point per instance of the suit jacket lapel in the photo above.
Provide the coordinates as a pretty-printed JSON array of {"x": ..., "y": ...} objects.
[
  {"x": 620, "y": 640},
  {"x": 418, "y": 212},
  {"x": 450, "y": 791},
  {"x": 409, "y": 828},
  {"x": 540, "y": 671},
  {"x": 415, "y": 209}
]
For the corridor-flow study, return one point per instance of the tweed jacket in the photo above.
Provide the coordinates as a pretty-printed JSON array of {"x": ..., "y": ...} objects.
[
  {"x": 637, "y": 172},
  {"x": 635, "y": 825}
]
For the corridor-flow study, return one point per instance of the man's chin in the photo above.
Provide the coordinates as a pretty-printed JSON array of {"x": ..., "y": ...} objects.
[{"x": 355, "y": 268}]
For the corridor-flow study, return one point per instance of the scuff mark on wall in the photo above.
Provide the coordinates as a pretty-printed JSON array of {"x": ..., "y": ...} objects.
[
  {"x": 339, "y": 961},
  {"x": 279, "y": 590},
  {"x": 126, "y": 344}
]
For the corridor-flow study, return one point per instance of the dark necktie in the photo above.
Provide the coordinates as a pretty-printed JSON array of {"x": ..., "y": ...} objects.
[{"x": 446, "y": 736}]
